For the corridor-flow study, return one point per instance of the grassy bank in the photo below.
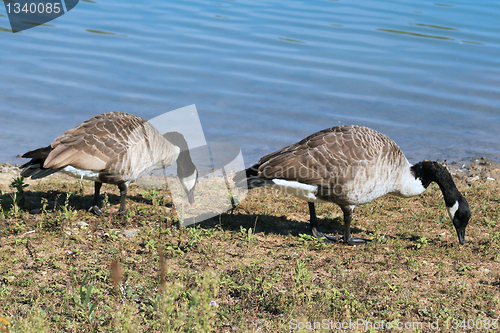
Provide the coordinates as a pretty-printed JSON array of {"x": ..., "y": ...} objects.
[{"x": 257, "y": 268}]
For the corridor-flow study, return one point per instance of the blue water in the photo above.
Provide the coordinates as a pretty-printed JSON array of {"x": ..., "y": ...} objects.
[{"x": 263, "y": 74}]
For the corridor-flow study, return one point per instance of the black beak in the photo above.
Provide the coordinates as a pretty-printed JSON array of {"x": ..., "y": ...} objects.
[
  {"x": 461, "y": 236},
  {"x": 190, "y": 196}
]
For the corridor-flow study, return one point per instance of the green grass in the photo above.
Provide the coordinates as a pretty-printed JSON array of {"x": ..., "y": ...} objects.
[{"x": 257, "y": 269}]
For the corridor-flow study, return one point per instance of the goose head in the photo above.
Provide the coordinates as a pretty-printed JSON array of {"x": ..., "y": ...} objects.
[
  {"x": 460, "y": 214},
  {"x": 186, "y": 170},
  {"x": 456, "y": 204}
]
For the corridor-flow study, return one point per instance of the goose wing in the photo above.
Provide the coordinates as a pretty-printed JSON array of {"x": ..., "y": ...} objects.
[
  {"x": 96, "y": 142},
  {"x": 329, "y": 157}
]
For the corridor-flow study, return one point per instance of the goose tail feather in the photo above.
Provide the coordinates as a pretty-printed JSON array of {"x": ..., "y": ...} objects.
[
  {"x": 34, "y": 168},
  {"x": 249, "y": 178}
]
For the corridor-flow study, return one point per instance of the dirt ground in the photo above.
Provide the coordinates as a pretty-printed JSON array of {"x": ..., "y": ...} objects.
[{"x": 252, "y": 269}]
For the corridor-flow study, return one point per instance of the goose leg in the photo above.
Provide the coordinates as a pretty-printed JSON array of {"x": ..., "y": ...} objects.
[
  {"x": 96, "y": 203},
  {"x": 315, "y": 228},
  {"x": 347, "y": 228},
  {"x": 123, "y": 196}
]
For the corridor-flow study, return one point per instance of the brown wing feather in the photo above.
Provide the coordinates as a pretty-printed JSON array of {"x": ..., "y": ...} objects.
[
  {"x": 328, "y": 158},
  {"x": 95, "y": 143}
]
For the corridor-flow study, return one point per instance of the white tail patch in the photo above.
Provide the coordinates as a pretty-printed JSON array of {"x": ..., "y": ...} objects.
[
  {"x": 452, "y": 210},
  {"x": 81, "y": 174},
  {"x": 300, "y": 190}
]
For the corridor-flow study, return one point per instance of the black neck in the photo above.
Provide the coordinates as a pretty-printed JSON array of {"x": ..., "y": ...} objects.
[
  {"x": 429, "y": 172},
  {"x": 185, "y": 166}
]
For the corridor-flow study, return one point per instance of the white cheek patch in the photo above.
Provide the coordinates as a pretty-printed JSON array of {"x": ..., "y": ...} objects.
[
  {"x": 452, "y": 210},
  {"x": 190, "y": 181}
]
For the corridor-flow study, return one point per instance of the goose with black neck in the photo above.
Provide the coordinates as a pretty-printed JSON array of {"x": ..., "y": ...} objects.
[
  {"x": 115, "y": 148},
  {"x": 350, "y": 166}
]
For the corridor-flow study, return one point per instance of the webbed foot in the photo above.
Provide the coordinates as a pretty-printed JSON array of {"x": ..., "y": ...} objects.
[
  {"x": 96, "y": 210},
  {"x": 327, "y": 238},
  {"x": 356, "y": 241}
]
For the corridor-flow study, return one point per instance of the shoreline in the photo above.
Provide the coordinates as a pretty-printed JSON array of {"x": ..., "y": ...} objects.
[{"x": 468, "y": 171}]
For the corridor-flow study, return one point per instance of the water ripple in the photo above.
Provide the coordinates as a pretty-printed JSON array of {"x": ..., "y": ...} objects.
[
  {"x": 414, "y": 34},
  {"x": 263, "y": 74}
]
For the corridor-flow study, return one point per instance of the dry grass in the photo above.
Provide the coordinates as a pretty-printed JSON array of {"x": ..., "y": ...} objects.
[{"x": 255, "y": 269}]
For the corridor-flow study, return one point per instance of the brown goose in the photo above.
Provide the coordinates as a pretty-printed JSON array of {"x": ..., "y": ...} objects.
[
  {"x": 115, "y": 148},
  {"x": 350, "y": 166}
]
